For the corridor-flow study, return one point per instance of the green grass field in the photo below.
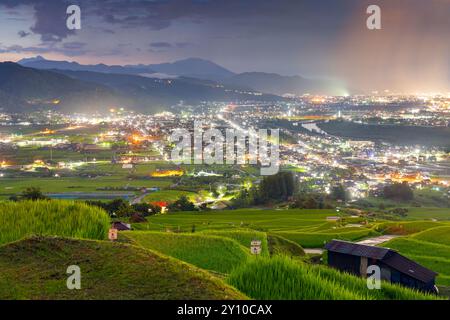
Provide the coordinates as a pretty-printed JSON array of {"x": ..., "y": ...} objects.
[
  {"x": 282, "y": 278},
  {"x": 51, "y": 218},
  {"x": 206, "y": 242},
  {"x": 431, "y": 255},
  {"x": 244, "y": 238},
  {"x": 439, "y": 235},
  {"x": 318, "y": 239},
  {"x": 9, "y": 187},
  {"x": 36, "y": 269},
  {"x": 208, "y": 252}
]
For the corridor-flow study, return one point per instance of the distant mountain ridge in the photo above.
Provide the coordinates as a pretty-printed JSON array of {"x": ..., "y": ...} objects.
[
  {"x": 276, "y": 84},
  {"x": 202, "y": 69},
  {"x": 22, "y": 88}
]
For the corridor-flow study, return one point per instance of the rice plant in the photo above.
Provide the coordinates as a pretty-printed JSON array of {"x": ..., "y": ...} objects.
[
  {"x": 208, "y": 252},
  {"x": 51, "y": 218},
  {"x": 283, "y": 278}
]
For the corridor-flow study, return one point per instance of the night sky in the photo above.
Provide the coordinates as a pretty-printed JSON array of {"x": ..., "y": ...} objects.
[{"x": 313, "y": 38}]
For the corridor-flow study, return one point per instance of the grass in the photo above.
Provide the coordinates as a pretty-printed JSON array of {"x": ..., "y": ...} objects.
[
  {"x": 281, "y": 246},
  {"x": 431, "y": 255},
  {"x": 55, "y": 218},
  {"x": 281, "y": 278},
  {"x": 256, "y": 219},
  {"x": 207, "y": 252},
  {"x": 439, "y": 235},
  {"x": 318, "y": 239},
  {"x": 12, "y": 186},
  {"x": 244, "y": 238},
  {"x": 36, "y": 269},
  {"x": 406, "y": 228},
  {"x": 428, "y": 213}
]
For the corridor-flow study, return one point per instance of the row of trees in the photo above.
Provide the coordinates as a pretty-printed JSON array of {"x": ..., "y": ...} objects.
[
  {"x": 276, "y": 188},
  {"x": 122, "y": 208},
  {"x": 282, "y": 187}
]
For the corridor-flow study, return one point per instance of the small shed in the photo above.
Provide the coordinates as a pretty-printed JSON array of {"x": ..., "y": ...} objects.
[
  {"x": 121, "y": 226},
  {"x": 355, "y": 258}
]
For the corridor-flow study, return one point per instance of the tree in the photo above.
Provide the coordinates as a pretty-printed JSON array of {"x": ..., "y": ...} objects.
[
  {"x": 278, "y": 187},
  {"x": 182, "y": 204},
  {"x": 338, "y": 193},
  {"x": 398, "y": 191},
  {"x": 33, "y": 193},
  {"x": 120, "y": 208},
  {"x": 146, "y": 209}
]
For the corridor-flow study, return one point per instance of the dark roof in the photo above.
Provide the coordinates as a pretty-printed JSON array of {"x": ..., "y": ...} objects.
[
  {"x": 413, "y": 269},
  {"x": 388, "y": 256},
  {"x": 356, "y": 249},
  {"x": 121, "y": 226}
]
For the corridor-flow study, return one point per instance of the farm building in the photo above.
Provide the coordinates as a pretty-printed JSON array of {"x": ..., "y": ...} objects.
[
  {"x": 121, "y": 226},
  {"x": 355, "y": 258}
]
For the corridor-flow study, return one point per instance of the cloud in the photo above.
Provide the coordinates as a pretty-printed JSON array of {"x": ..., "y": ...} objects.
[
  {"x": 160, "y": 45},
  {"x": 70, "y": 49},
  {"x": 23, "y": 34},
  {"x": 49, "y": 18}
]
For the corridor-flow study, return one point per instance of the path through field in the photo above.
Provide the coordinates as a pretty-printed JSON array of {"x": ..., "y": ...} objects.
[
  {"x": 369, "y": 242},
  {"x": 377, "y": 240}
]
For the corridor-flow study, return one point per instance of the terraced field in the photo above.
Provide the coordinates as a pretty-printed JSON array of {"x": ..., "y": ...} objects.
[
  {"x": 208, "y": 252},
  {"x": 36, "y": 269},
  {"x": 430, "y": 248}
]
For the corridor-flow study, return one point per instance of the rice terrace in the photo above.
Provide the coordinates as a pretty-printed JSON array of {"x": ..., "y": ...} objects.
[{"x": 57, "y": 232}]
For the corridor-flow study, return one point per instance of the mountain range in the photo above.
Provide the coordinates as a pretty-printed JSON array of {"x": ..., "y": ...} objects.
[
  {"x": 271, "y": 83},
  {"x": 23, "y": 87}
]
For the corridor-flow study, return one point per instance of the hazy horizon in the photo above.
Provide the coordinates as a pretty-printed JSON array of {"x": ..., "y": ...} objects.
[{"x": 313, "y": 39}]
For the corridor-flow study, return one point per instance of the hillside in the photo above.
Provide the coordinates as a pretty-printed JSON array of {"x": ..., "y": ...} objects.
[
  {"x": 22, "y": 88},
  {"x": 36, "y": 269},
  {"x": 147, "y": 91},
  {"x": 212, "y": 253}
]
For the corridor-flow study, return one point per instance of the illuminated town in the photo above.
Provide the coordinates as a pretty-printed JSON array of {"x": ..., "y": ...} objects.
[{"x": 72, "y": 145}]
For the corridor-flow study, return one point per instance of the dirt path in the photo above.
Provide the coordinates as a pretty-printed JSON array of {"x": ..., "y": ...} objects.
[{"x": 377, "y": 240}]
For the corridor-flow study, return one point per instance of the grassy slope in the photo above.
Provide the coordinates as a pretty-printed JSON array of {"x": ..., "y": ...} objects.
[
  {"x": 283, "y": 278},
  {"x": 318, "y": 239},
  {"x": 432, "y": 255},
  {"x": 207, "y": 252},
  {"x": 36, "y": 269},
  {"x": 281, "y": 246},
  {"x": 244, "y": 238},
  {"x": 59, "y": 218},
  {"x": 439, "y": 235}
]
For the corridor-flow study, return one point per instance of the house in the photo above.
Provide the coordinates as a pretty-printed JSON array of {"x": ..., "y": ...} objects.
[
  {"x": 355, "y": 258},
  {"x": 121, "y": 226}
]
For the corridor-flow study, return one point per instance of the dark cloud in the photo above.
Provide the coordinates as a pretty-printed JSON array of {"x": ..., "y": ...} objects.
[
  {"x": 74, "y": 45},
  {"x": 23, "y": 34},
  {"x": 160, "y": 45}
]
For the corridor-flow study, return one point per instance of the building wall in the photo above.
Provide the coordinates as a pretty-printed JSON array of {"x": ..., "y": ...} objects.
[{"x": 344, "y": 262}]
